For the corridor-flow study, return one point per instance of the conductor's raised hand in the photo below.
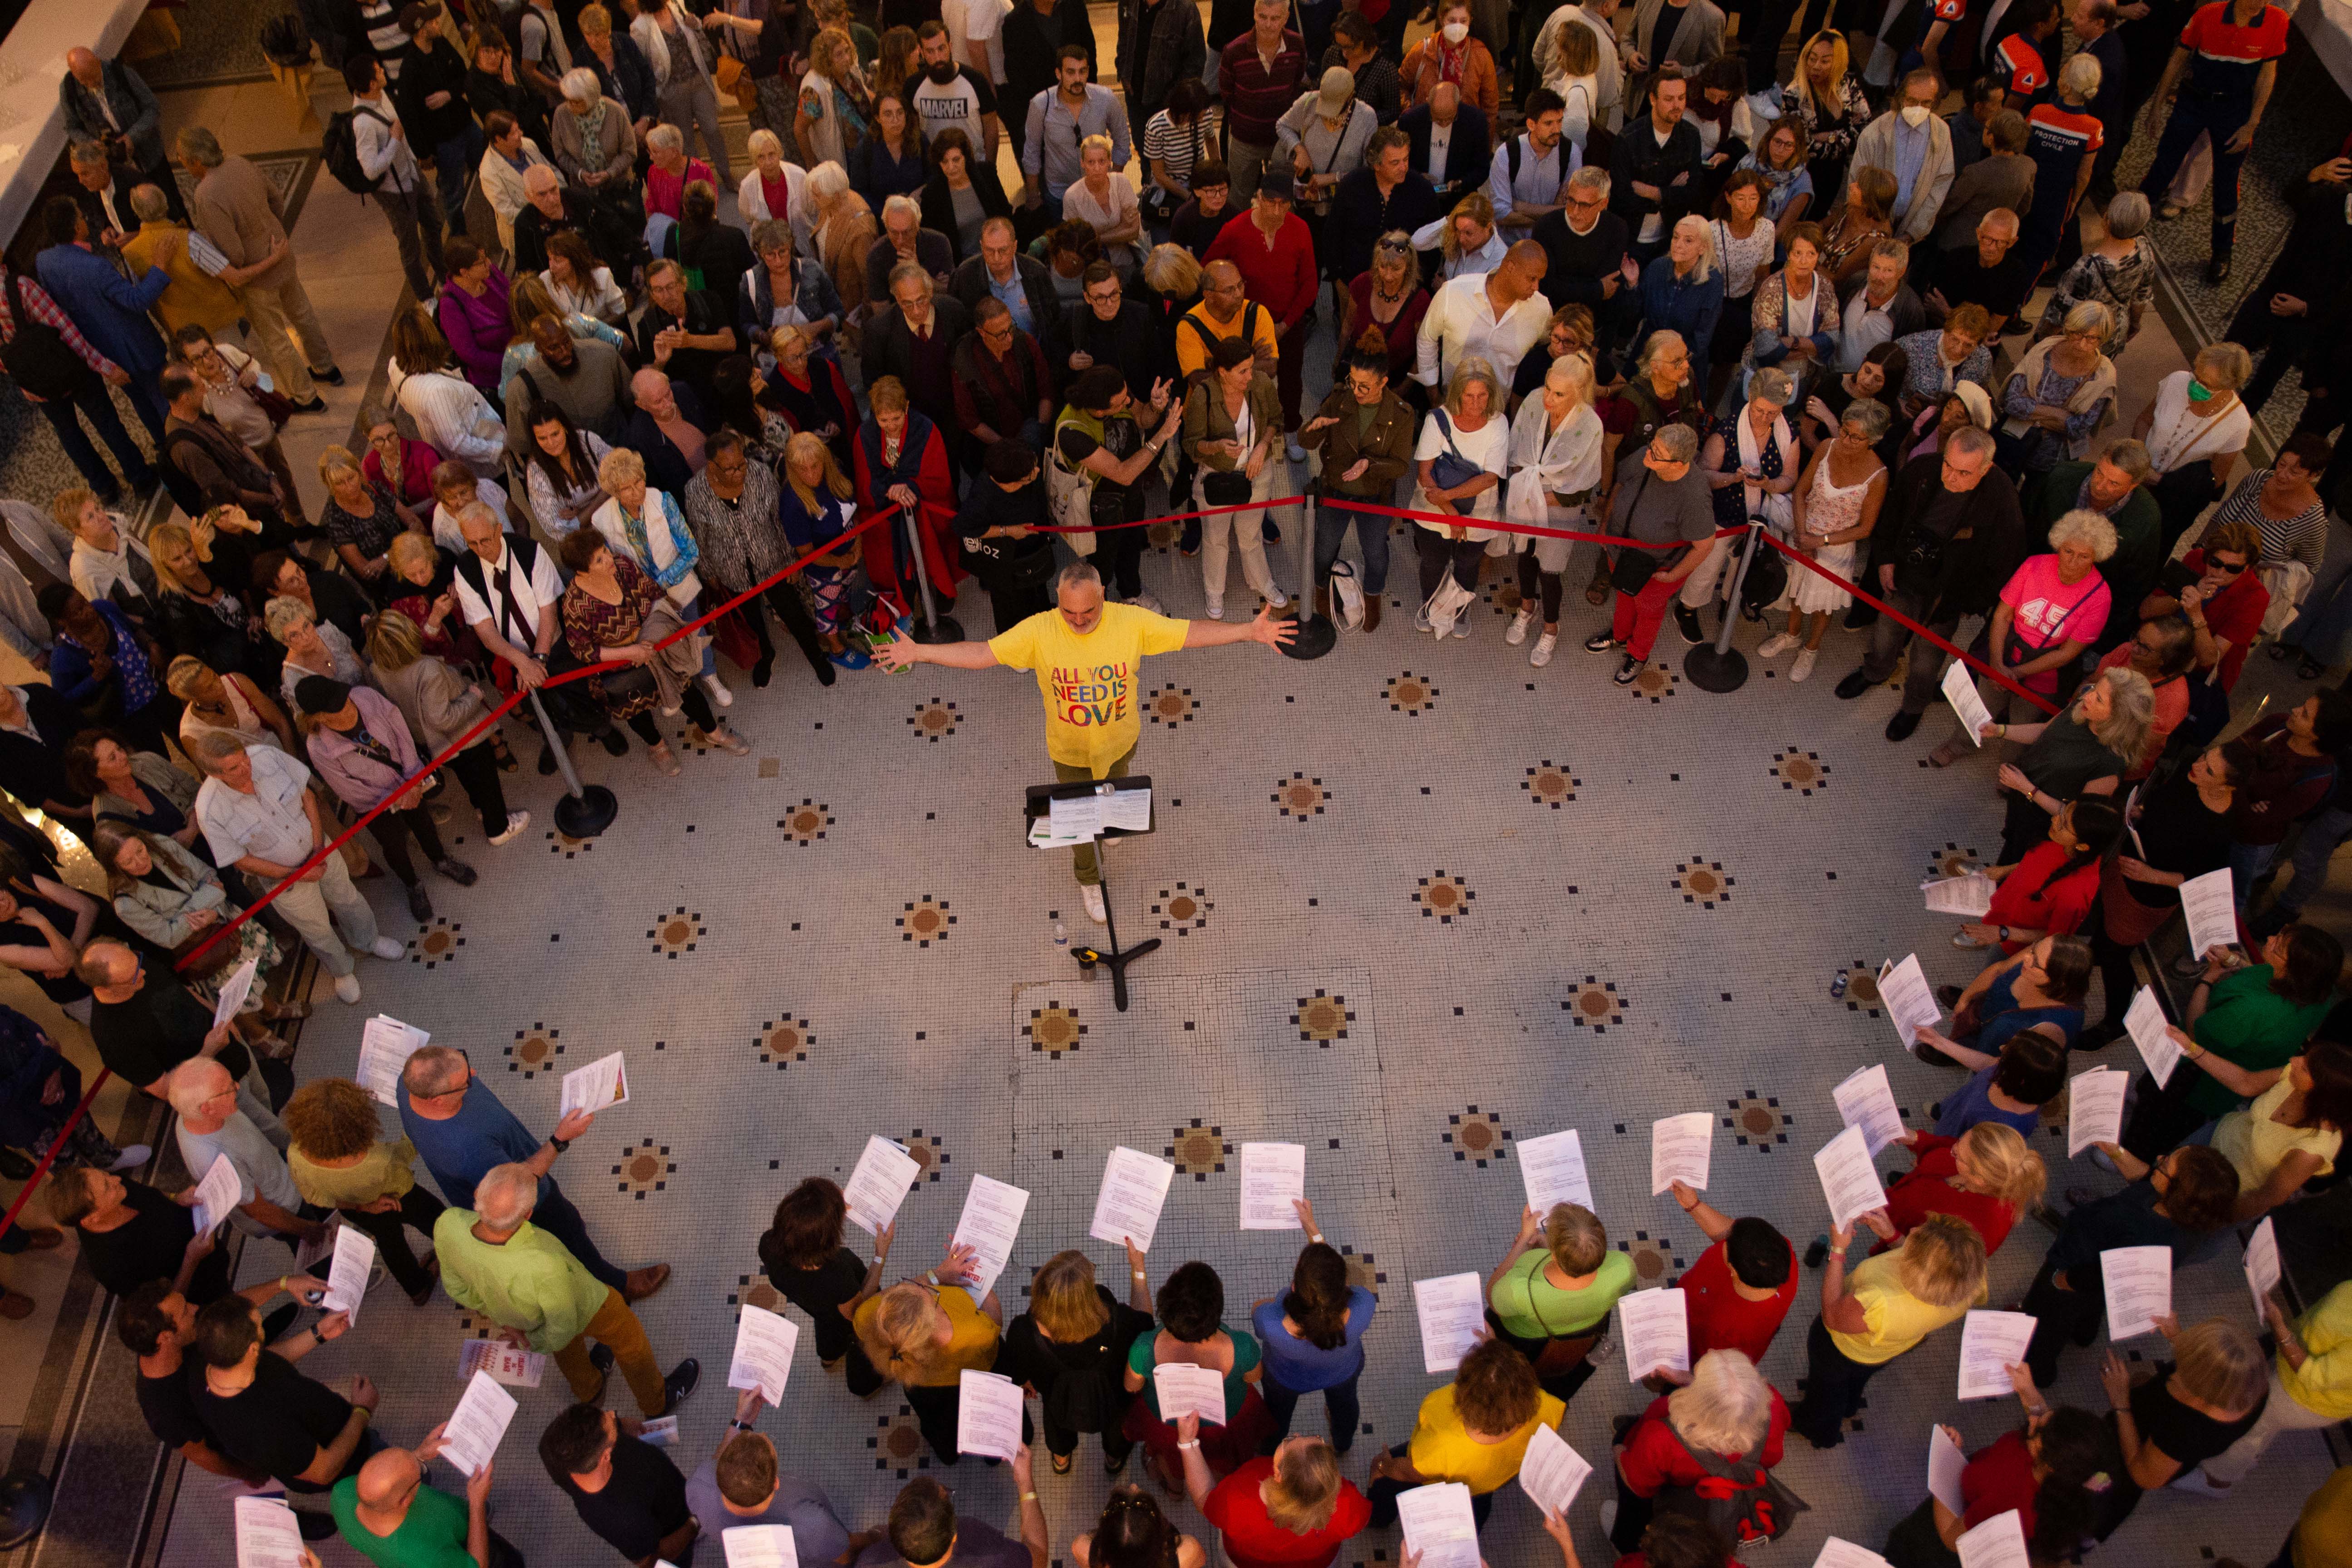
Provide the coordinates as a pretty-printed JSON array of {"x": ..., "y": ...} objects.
[
  {"x": 899, "y": 653},
  {"x": 1272, "y": 629}
]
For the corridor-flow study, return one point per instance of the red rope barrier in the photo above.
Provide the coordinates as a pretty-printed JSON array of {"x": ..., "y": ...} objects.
[
  {"x": 1170, "y": 517},
  {"x": 1884, "y": 608},
  {"x": 56, "y": 1145}
]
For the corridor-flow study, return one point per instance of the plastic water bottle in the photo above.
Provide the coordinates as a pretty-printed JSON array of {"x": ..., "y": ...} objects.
[{"x": 1061, "y": 934}]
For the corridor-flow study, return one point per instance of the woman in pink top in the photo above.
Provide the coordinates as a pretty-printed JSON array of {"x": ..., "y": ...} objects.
[
  {"x": 472, "y": 312},
  {"x": 2052, "y": 608}
]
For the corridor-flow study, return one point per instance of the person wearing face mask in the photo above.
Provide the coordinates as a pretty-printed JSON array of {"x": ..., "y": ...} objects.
[
  {"x": 1910, "y": 144},
  {"x": 2194, "y": 429},
  {"x": 1452, "y": 54}
]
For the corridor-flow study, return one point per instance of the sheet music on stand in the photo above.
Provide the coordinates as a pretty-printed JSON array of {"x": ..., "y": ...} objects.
[{"x": 1076, "y": 820}]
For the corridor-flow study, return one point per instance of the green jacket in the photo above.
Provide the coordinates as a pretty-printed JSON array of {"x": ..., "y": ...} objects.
[
  {"x": 2252, "y": 1025},
  {"x": 530, "y": 1283},
  {"x": 1205, "y": 419},
  {"x": 2131, "y": 572},
  {"x": 1386, "y": 445}
]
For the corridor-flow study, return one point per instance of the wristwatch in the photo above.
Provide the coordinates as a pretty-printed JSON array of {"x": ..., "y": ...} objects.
[{"x": 558, "y": 1144}]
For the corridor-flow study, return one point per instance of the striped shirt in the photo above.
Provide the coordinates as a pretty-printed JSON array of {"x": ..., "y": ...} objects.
[
  {"x": 2303, "y": 537},
  {"x": 44, "y": 310},
  {"x": 1256, "y": 97}
]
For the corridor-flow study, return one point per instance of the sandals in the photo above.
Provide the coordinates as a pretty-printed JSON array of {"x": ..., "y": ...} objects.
[{"x": 664, "y": 758}]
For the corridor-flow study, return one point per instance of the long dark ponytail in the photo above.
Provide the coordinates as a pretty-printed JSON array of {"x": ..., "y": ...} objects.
[
  {"x": 2082, "y": 1460},
  {"x": 1317, "y": 1301}
]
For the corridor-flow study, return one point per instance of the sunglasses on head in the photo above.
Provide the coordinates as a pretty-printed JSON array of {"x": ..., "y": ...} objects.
[{"x": 1393, "y": 247}]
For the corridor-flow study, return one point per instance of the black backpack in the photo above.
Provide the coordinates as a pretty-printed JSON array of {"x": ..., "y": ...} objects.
[
  {"x": 340, "y": 150},
  {"x": 1740, "y": 1497},
  {"x": 39, "y": 358}
]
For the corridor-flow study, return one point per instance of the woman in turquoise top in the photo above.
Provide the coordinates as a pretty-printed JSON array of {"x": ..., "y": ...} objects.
[
  {"x": 1551, "y": 1303},
  {"x": 1191, "y": 1330}
]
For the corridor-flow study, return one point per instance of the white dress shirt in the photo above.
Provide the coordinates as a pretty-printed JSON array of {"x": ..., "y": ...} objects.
[{"x": 1461, "y": 321}]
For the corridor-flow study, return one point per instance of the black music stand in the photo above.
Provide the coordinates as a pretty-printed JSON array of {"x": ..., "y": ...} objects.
[{"x": 1039, "y": 803}]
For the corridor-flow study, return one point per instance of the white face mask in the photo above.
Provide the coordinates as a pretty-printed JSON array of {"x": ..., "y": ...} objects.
[
  {"x": 1455, "y": 32},
  {"x": 1915, "y": 115}
]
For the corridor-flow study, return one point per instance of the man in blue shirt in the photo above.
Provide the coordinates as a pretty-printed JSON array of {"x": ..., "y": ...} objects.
[
  {"x": 110, "y": 309},
  {"x": 463, "y": 1131}
]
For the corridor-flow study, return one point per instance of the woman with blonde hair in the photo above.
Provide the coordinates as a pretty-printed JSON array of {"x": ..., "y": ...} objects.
[
  {"x": 1682, "y": 291},
  {"x": 1467, "y": 240},
  {"x": 2052, "y": 607},
  {"x": 2193, "y": 442},
  {"x": 1826, "y": 100},
  {"x": 1289, "y": 1508},
  {"x": 843, "y": 231},
  {"x": 809, "y": 390},
  {"x": 615, "y": 610},
  {"x": 643, "y": 524},
  {"x": 1725, "y": 1409},
  {"x": 774, "y": 185},
  {"x": 1385, "y": 305},
  {"x": 1550, "y": 1297},
  {"x": 829, "y": 119},
  {"x": 815, "y": 509},
  {"x": 361, "y": 518},
  {"x": 923, "y": 1334},
  {"x": 200, "y": 613},
  {"x": 2087, "y": 749},
  {"x": 1470, "y": 431},
  {"x": 172, "y": 898},
  {"x": 226, "y": 703},
  {"x": 442, "y": 706},
  {"x": 2192, "y": 1412},
  {"x": 1889, "y": 1304},
  {"x": 1556, "y": 441},
  {"x": 1071, "y": 1346},
  {"x": 340, "y": 1159},
  {"x": 1105, "y": 198},
  {"x": 1986, "y": 1176}
]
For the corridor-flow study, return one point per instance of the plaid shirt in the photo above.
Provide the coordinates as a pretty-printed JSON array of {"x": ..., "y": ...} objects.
[{"x": 45, "y": 311}]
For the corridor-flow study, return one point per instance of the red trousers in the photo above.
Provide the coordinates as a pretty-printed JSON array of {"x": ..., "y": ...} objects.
[{"x": 1635, "y": 622}]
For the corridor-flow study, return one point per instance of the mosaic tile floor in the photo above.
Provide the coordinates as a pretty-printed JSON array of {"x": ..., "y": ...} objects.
[{"x": 1418, "y": 902}]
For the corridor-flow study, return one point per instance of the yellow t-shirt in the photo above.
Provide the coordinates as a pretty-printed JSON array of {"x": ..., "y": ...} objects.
[
  {"x": 1443, "y": 1449},
  {"x": 971, "y": 1345},
  {"x": 1897, "y": 1319},
  {"x": 2254, "y": 1143},
  {"x": 1094, "y": 711}
]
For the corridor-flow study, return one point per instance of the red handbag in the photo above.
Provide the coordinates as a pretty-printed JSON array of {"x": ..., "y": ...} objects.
[{"x": 736, "y": 641}]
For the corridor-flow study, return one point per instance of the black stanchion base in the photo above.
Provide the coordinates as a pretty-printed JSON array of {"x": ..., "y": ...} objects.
[
  {"x": 944, "y": 629},
  {"x": 587, "y": 814},
  {"x": 1117, "y": 964},
  {"x": 1316, "y": 637},
  {"x": 25, "y": 1499},
  {"x": 1712, "y": 672}
]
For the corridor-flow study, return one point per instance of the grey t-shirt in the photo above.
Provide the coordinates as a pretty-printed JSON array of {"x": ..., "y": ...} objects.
[
  {"x": 261, "y": 1168},
  {"x": 818, "y": 1536},
  {"x": 977, "y": 1545},
  {"x": 1656, "y": 512}
]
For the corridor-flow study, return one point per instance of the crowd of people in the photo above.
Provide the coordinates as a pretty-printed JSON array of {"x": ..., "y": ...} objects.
[{"x": 1652, "y": 293}]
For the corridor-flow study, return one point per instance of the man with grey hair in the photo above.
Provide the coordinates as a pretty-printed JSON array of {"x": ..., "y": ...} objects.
[
  {"x": 1913, "y": 148},
  {"x": 258, "y": 814},
  {"x": 917, "y": 342},
  {"x": 1949, "y": 536},
  {"x": 196, "y": 297},
  {"x": 213, "y": 1124},
  {"x": 105, "y": 102},
  {"x": 1991, "y": 273},
  {"x": 464, "y": 1131},
  {"x": 495, "y": 1262},
  {"x": 684, "y": 332},
  {"x": 242, "y": 215},
  {"x": 104, "y": 192},
  {"x": 1584, "y": 249},
  {"x": 1088, "y": 659},
  {"x": 1660, "y": 501},
  {"x": 905, "y": 239}
]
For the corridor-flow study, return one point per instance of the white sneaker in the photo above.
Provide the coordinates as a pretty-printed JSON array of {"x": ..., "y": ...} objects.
[
  {"x": 1091, "y": 893},
  {"x": 1420, "y": 621},
  {"x": 1776, "y": 645},
  {"x": 133, "y": 1157},
  {"x": 1297, "y": 453},
  {"x": 1544, "y": 644},
  {"x": 388, "y": 949},
  {"x": 1216, "y": 607},
  {"x": 719, "y": 693},
  {"x": 515, "y": 822},
  {"x": 1517, "y": 632},
  {"x": 347, "y": 988},
  {"x": 1806, "y": 659},
  {"x": 1462, "y": 623},
  {"x": 1146, "y": 602},
  {"x": 1276, "y": 599}
]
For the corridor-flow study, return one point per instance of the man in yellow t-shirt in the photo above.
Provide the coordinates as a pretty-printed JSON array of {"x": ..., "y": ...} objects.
[
  {"x": 1088, "y": 659},
  {"x": 1475, "y": 1430}
]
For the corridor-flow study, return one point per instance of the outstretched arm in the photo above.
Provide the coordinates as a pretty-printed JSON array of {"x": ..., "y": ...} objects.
[
  {"x": 1267, "y": 628},
  {"x": 901, "y": 653}
]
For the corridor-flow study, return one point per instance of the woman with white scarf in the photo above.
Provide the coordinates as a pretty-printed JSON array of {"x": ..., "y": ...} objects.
[
  {"x": 642, "y": 524},
  {"x": 1751, "y": 462},
  {"x": 1555, "y": 460}
]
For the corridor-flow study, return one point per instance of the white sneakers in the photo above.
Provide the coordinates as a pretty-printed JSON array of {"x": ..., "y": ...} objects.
[
  {"x": 1806, "y": 659},
  {"x": 1216, "y": 607},
  {"x": 132, "y": 1156},
  {"x": 1276, "y": 599},
  {"x": 1146, "y": 602},
  {"x": 1421, "y": 622},
  {"x": 347, "y": 989},
  {"x": 1776, "y": 645},
  {"x": 1517, "y": 632},
  {"x": 388, "y": 949},
  {"x": 1541, "y": 655},
  {"x": 1091, "y": 893},
  {"x": 719, "y": 693},
  {"x": 515, "y": 822}
]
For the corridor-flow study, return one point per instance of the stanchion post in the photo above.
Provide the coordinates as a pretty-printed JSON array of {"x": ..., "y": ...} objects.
[
  {"x": 1718, "y": 666},
  {"x": 933, "y": 628},
  {"x": 589, "y": 809},
  {"x": 1316, "y": 633}
]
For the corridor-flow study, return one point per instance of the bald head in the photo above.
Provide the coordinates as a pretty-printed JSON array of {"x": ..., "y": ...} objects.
[
  {"x": 544, "y": 190},
  {"x": 1521, "y": 273},
  {"x": 196, "y": 1080},
  {"x": 386, "y": 1480},
  {"x": 1445, "y": 103},
  {"x": 650, "y": 388},
  {"x": 85, "y": 67}
]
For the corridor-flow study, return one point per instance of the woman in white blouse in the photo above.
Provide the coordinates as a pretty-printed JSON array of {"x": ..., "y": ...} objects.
[
  {"x": 1472, "y": 436},
  {"x": 772, "y": 175},
  {"x": 560, "y": 467},
  {"x": 450, "y": 414},
  {"x": 580, "y": 284},
  {"x": 1556, "y": 444},
  {"x": 2194, "y": 429},
  {"x": 1744, "y": 242},
  {"x": 1105, "y": 199}
]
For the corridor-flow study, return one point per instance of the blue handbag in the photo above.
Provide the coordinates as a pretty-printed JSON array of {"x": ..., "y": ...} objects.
[{"x": 1450, "y": 469}]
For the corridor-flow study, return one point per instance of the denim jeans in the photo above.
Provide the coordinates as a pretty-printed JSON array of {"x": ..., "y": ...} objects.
[
  {"x": 1331, "y": 519},
  {"x": 95, "y": 403},
  {"x": 2247, "y": 864},
  {"x": 1339, "y": 1402},
  {"x": 454, "y": 161},
  {"x": 2322, "y": 835}
]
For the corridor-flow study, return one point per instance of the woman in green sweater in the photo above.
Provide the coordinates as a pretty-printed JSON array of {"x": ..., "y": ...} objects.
[
  {"x": 2256, "y": 1018},
  {"x": 1551, "y": 1303}
]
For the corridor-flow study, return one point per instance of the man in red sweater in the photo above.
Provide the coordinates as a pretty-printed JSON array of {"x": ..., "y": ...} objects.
[{"x": 1276, "y": 256}]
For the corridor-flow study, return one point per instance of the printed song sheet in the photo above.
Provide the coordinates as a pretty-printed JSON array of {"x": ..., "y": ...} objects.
[
  {"x": 347, "y": 1281},
  {"x": 988, "y": 1416},
  {"x": 1960, "y": 691},
  {"x": 1182, "y": 1386},
  {"x": 1998, "y": 1542},
  {"x": 1134, "y": 1187},
  {"x": 1849, "y": 1180},
  {"x": 477, "y": 1423},
  {"x": 764, "y": 1342},
  {"x": 1453, "y": 1313},
  {"x": 1553, "y": 1168},
  {"x": 760, "y": 1546},
  {"x": 1272, "y": 1177},
  {"x": 989, "y": 1224},
  {"x": 1680, "y": 1149},
  {"x": 1910, "y": 1000},
  {"x": 1866, "y": 1101},
  {"x": 2210, "y": 902},
  {"x": 1970, "y": 896},
  {"x": 2143, "y": 1020},
  {"x": 1945, "y": 1460},
  {"x": 1552, "y": 1473},
  {"x": 1990, "y": 1343},
  {"x": 2139, "y": 1289},
  {"x": 386, "y": 1046},
  {"x": 599, "y": 1086},
  {"x": 2263, "y": 1273},
  {"x": 218, "y": 1195},
  {"x": 1656, "y": 1325},
  {"x": 1439, "y": 1525},
  {"x": 878, "y": 1185},
  {"x": 234, "y": 991},
  {"x": 2095, "y": 1109},
  {"x": 268, "y": 1534}
]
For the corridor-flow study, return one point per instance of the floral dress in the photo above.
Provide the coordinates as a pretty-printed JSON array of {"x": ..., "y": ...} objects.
[
  {"x": 591, "y": 626},
  {"x": 1830, "y": 507},
  {"x": 2119, "y": 285}
]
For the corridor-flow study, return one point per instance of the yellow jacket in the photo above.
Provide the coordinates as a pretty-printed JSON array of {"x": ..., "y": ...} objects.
[
  {"x": 2324, "y": 1384},
  {"x": 194, "y": 296}
]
